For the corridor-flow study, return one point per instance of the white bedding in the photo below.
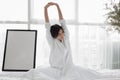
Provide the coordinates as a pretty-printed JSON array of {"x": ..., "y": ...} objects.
[
  {"x": 109, "y": 79},
  {"x": 12, "y": 78},
  {"x": 111, "y": 73},
  {"x": 108, "y": 74}
]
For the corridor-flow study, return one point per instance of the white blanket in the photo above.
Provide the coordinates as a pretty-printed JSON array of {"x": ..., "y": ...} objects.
[{"x": 108, "y": 75}]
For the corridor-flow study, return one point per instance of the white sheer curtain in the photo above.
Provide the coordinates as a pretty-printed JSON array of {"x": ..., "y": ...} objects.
[
  {"x": 111, "y": 51},
  {"x": 92, "y": 46},
  {"x": 98, "y": 49}
]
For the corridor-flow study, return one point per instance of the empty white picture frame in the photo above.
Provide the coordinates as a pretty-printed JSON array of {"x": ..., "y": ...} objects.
[{"x": 20, "y": 50}]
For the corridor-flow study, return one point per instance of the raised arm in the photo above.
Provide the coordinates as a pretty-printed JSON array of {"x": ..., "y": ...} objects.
[
  {"x": 46, "y": 13},
  {"x": 62, "y": 21},
  {"x": 48, "y": 25},
  {"x": 59, "y": 12}
]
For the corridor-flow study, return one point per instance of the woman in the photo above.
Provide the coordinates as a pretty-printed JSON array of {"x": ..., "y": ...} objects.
[
  {"x": 58, "y": 39},
  {"x": 61, "y": 64}
]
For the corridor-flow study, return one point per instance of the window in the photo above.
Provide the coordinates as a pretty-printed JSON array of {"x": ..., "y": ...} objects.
[
  {"x": 85, "y": 21},
  {"x": 13, "y": 10}
]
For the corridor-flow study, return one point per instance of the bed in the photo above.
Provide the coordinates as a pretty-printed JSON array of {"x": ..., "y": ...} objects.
[
  {"x": 11, "y": 76},
  {"x": 108, "y": 74}
]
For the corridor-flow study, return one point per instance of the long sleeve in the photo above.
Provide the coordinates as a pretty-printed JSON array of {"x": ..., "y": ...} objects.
[
  {"x": 49, "y": 38},
  {"x": 63, "y": 24}
]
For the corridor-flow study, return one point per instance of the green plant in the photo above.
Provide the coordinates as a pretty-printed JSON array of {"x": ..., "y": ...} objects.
[{"x": 113, "y": 15}]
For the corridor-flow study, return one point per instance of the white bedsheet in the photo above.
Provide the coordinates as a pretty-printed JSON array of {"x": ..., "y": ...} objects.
[
  {"x": 12, "y": 78},
  {"x": 108, "y": 74},
  {"x": 109, "y": 79},
  {"x": 111, "y": 73}
]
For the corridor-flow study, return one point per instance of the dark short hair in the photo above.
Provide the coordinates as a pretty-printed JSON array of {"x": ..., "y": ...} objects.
[{"x": 54, "y": 30}]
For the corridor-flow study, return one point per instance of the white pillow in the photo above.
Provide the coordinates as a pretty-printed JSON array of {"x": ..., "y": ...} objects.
[{"x": 12, "y": 78}]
